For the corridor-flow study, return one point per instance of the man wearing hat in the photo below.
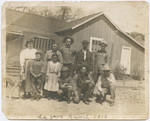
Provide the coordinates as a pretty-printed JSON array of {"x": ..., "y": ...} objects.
[
  {"x": 68, "y": 53},
  {"x": 37, "y": 73},
  {"x": 106, "y": 85},
  {"x": 84, "y": 57},
  {"x": 101, "y": 58},
  {"x": 65, "y": 84}
]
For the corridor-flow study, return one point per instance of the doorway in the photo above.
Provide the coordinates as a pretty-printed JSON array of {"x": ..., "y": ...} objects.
[{"x": 126, "y": 58}]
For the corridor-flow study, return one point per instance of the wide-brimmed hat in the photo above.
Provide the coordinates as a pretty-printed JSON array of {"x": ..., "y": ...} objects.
[
  {"x": 68, "y": 37},
  {"x": 85, "y": 42},
  {"x": 103, "y": 43},
  {"x": 64, "y": 69},
  {"x": 106, "y": 67},
  {"x": 39, "y": 52}
]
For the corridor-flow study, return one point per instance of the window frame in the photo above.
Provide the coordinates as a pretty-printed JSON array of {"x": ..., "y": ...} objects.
[{"x": 94, "y": 38}]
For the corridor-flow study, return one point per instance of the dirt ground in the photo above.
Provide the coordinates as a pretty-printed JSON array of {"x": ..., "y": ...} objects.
[{"x": 129, "y": 104}]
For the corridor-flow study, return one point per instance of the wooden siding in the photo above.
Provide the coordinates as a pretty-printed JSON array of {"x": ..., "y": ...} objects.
[
  {"x": 102, "y": 28},
  {"x": 29, "y": 26}
]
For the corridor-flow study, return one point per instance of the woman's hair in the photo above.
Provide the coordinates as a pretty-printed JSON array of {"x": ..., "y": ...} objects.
[
  {"x": 29, "y": 41},
  {"x": 68, "y": 37}
]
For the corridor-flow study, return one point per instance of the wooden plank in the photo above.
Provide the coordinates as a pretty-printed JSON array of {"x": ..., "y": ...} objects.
[
  {"x": 111, "y": 54},
  {"x": 44, "y": 49},
  {"x": 47, "y": 43},
  {"x": 39, "y": 43},
  {"x": 43, "y": 43},
  {"x": 35, "y": 44}
]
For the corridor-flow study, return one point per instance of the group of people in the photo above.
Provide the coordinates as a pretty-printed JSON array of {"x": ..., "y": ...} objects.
[{"x": 66, "y": 74}]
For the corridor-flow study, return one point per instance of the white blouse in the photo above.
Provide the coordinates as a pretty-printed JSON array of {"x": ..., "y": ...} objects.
[
  {"x": 27, "y": 54},
  {"x": 53, "y": 68},
  {"x": 111, "y": 79}
]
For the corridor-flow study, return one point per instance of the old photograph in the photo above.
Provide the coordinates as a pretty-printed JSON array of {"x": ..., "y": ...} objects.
[{"x": 75, "y": 60}]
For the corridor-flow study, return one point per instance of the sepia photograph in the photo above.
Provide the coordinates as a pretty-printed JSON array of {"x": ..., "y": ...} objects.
[{"x": 75, "y": 60}]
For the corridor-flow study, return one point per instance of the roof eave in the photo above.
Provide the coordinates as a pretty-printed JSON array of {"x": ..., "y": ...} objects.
[
  {"x": 87, "y": 21},
  {"x": 65, "y": 30},
  {"x": 78, "y": 25},
  {"x": 123, "y": 31},
  {"x": 102, "y": 13}
]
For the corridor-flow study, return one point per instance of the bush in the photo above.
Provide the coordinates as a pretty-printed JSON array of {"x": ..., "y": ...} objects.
[
  {"x": 137, "y": 73},
  {"x": 119, "y": 72}
]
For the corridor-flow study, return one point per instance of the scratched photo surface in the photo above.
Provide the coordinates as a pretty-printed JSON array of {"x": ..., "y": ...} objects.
[{"x": 75, "y": 60}]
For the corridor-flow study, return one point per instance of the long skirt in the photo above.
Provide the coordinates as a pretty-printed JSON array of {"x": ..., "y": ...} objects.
[
  {"x": 27, "y": 81},
  {"x": 51, "y": 84}
]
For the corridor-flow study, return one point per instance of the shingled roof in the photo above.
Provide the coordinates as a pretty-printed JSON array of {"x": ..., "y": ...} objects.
[
  {"x": 77, "y": 23},
  {"x": 20, "y": 19}
]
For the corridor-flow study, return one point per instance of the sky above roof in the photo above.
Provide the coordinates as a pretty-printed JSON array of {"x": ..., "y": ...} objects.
[{"x": 129, "y": 16}]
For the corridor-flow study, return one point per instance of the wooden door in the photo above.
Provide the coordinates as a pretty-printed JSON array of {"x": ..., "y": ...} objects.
[{"x": 126, "y": 58}]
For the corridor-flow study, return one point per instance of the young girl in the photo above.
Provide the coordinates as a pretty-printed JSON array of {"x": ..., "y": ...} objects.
[{"x": 53, "y": 72}]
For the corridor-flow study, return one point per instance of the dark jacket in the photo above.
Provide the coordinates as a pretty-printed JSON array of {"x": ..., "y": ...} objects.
[{"x": 79, "y": 60}]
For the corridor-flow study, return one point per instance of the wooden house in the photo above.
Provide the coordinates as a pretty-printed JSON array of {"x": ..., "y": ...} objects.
[
  {"x": 22, "y": 26},
  {"x": 122, "y": 49}
]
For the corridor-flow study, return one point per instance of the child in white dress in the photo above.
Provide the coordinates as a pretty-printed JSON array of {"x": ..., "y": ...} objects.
[{"x": 53, "y": 73}]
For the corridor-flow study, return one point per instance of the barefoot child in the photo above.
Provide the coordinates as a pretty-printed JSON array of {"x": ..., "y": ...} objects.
[
  {"x": 53, "y": 72},
  {"x": 37, "y": 71}
]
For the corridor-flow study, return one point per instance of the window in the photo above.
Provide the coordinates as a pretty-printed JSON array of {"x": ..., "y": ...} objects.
[
  {"x": 43, "y": 43},
  {"x": 95, "y": 44}
]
